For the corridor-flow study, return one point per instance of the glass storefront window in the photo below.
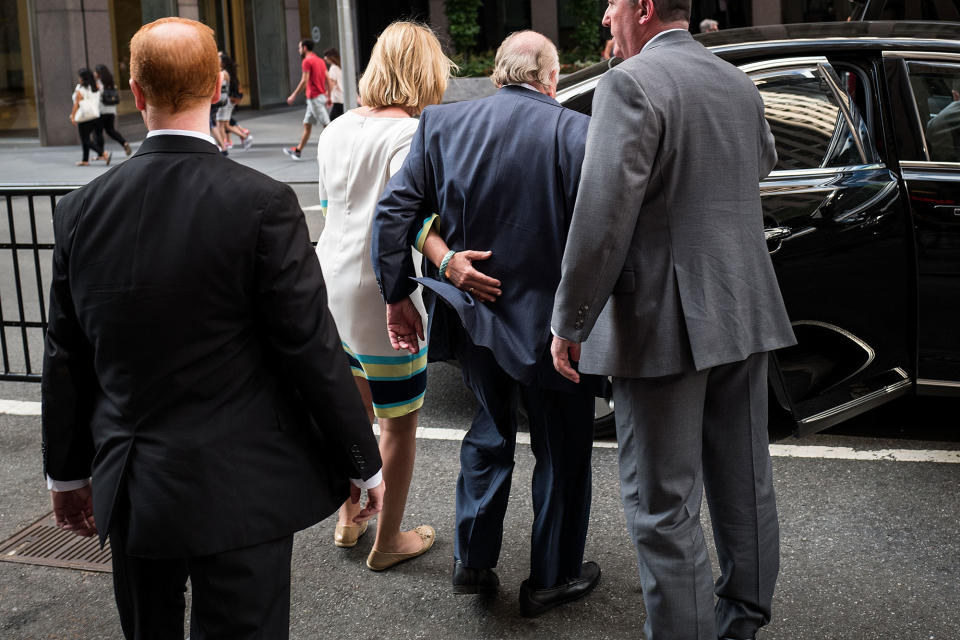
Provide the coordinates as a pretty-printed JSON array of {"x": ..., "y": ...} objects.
[
  {"x": 18, "y": 107},
  {"x": 126, "y": 19},
  {"x": 227, "y": 19}
]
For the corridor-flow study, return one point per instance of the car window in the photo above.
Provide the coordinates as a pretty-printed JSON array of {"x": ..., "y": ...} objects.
[
  {"x": 806, "y": 119},
  {"x": 936, "y": 90},
  {"x": 854, "y": 85}
]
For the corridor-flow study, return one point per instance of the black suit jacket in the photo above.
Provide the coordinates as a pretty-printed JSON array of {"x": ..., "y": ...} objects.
[
  {"x": 191, "y": 363},
  {"x": 502, "y": 173}
]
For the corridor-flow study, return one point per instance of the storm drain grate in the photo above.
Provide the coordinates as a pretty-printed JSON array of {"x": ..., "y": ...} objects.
[{"x": 44, "y": 544}]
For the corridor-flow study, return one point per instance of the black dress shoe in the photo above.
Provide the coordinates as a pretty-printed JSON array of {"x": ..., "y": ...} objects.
[
  {"x": 534, "y": 602},
  {"x": 470, "y": 580}
]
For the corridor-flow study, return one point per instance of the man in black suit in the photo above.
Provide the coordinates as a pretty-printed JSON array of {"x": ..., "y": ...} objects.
[{"x": 193, "y": 370}]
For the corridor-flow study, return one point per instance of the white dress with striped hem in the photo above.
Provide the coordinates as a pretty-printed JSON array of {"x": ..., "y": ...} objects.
[{"x": 356, "y": 156}]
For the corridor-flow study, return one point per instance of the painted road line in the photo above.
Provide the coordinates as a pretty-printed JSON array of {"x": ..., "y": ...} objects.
[
  {"x": 776, "y": 450},
  {"x": 21, "y": 408},
  {"x": 848, "y": 453}
]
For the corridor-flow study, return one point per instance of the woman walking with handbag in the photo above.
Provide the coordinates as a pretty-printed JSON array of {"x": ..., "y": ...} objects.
[
  {"x": 109, "y": 99},
  {"x": 85, "y": 114}
]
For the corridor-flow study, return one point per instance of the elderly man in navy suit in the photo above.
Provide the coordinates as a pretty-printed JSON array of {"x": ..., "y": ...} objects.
[{"x": 500, "y": 174}]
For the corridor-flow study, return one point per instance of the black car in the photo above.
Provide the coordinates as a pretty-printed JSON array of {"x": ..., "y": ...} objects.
[{"x": 862, "y": 212}]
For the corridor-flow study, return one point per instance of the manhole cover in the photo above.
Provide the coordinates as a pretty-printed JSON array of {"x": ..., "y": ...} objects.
[{"x": 44, "y": 544}]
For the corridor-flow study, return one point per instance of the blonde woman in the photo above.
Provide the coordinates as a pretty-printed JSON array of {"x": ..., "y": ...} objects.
[{"x": 357, "y": 154}]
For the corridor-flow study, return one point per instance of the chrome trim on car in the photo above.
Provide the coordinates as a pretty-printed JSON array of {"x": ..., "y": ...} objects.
[
  {"x": 923, "y": 55},
  {"x": 792, "y": 189},
  {"x": 783, "y": 63},
  {"x": 568, "y": 93},
  {"x": 871, "y": 353},
  {"x": 920, "y": 165},
  {"x": 832, "y": 416},
  {"x": 941, "y": 388},
  {"x": 825, "y": 171},
  {"x": 802, "y": 232},
  {"x": 926, "y": 382}
]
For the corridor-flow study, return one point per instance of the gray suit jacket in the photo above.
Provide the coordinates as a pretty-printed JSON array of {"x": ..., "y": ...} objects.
[{"x": 666, "y": 269}]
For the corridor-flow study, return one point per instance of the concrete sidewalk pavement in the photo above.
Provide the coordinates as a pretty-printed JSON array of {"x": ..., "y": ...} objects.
[{"x": 24, "y": 161}]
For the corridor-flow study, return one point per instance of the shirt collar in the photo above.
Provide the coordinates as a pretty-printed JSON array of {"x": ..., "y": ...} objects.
[
  {"x": 182, "y": 132},
  {"x": 525, "y": 85},
  {"x": 654, "y": 38}
]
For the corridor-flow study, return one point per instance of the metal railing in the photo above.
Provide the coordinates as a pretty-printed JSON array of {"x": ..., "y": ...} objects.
[{"x": 26, "y": 250}]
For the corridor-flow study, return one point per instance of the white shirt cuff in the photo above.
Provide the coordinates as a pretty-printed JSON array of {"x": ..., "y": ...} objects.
[
  {"x": 554, "y": 332},
  {"x": 65, "y": 485},
  {"x": 370, "y": 483}
]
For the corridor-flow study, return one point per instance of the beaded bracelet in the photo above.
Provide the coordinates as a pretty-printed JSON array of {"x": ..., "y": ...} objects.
[{"x": 444, "y": 263}]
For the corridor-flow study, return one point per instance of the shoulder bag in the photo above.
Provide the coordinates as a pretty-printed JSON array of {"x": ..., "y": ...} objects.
[{"x": 89, "y": 107}]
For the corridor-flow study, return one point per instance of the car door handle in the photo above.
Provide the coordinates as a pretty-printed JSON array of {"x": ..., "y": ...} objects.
[
  {"x": 771, "y": 234},
  {"x": 775, "y": 237},
  {"x": 948, "y": 207}
]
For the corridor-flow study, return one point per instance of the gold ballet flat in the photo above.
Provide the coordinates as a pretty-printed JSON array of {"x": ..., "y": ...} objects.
[
  {"x": 380, "y": 560},
  {"x": 346, "y": 535}
]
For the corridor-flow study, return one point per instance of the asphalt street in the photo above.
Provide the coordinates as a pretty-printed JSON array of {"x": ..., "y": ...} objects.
[
  {"x": 870, "y": 539},
  {"x": 870, "y": 548}
]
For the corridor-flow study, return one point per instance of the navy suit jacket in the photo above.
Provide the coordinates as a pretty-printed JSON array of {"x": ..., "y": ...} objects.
[{"x": 501, "y": 173}]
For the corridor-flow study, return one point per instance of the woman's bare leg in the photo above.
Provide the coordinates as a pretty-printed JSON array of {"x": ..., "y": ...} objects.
[
  {"x": 222, "y": 129},
  {"x": 398, "y": 448},
  {"x": 215, "y": 132}
]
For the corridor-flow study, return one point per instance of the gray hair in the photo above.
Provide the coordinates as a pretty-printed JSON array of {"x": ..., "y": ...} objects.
[
  {"x": 525, "y": 56},
  {"x": 709, "y": 24}
]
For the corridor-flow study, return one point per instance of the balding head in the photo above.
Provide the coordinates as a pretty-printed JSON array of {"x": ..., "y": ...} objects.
[
  {"x": 175, "y": 63},
  {"x": 526, "y": 56}
]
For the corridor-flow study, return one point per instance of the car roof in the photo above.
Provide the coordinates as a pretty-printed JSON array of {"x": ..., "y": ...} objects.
[
  {"x": 742, "y": 45},
  {"x": 803, "y": 38}
]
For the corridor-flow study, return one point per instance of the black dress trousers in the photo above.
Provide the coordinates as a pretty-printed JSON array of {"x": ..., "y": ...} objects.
[{"x": 242, "y": 594}]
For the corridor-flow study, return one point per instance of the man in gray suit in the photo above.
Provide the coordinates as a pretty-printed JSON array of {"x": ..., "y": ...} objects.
[{"x": 667, "y": 272}]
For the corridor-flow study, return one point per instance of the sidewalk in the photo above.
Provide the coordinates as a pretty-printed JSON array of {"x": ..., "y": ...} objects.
[{"x": 24, "y": 161}]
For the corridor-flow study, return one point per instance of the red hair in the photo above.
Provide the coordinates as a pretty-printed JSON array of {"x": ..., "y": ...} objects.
[{"x": 175, "y": 62}]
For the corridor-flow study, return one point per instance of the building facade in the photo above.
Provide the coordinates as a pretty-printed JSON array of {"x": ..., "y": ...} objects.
[{"x": 43, "y": 43}]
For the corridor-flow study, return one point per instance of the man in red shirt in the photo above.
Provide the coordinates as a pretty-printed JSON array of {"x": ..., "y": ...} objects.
[{"x": 314, "y": 81}]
